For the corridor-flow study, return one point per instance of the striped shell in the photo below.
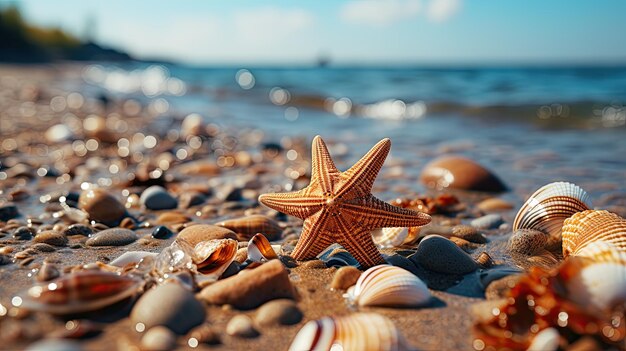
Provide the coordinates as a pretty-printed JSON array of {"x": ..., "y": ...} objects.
[
  {"x": 260, "y": 250},
  {"x": 600, "y": 280},
  {"x": 386, "y": 285},
  {"x": 548, "y": 207},
  {"x": 214, "y": 256},
  {"x": 389, "y": 237},
  {"x": 246, "y": 227},
  {"x": 81, "y": 292},
  {"x": 589, "y": 226},
  {"x": 354, "y": 332}
]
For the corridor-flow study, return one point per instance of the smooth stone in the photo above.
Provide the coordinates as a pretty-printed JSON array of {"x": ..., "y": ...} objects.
[
  {"x": 204, "y": 334},
  {"x": 205, "y": 232},
  {"x": 494, "y": 204},
  {"x": 23, "y": 233},
  {"x": 169, "y": 305},
  {"x": 241, "y": 325},
  {"x": 402, "y": 262},
  {"x": 278, "y": 312},
  {"x": 112, "y": 237},
  {"x": 251, "y": 288},
  {"x": 460, "y": 173},
  {"x": 439, "y": 254},
  {"x": 157, "y": 198},
  {"x": 158, "y": 338},
  {"x": 54, "y": 345},
  {"x": 43, "y": 247},
  {"x": 131, "y": 257},
  {"x": 51, "y": 237},
  {"x": 101, "y": 206},
  {"x": 468, "y": 233},
  {"x": 172, "y": 218},
  {"x": 78, "y": 229},
  {"x": 490, "y": 221},
  {"x": 161, "y": 232},
  {"x": 5, "y": 259},
  {"x": 345, "y": 277},
  {"x": 463, "y": 244},
  {"x": 47, "y": 272},
  {"x": 8, "y": 211},
  {"x": 189, "y": 199},
  {"x": 527, "y": 241}
]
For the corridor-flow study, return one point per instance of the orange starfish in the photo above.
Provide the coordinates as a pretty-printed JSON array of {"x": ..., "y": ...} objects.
[{"x": 339, "y": 207}]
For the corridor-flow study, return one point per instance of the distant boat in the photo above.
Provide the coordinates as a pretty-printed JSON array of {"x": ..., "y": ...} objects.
[{"x": 323, "y": 61}]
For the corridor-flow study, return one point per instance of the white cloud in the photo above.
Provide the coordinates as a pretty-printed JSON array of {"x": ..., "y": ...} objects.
[
  {"x": 441, "y": 10},
  {"x": 380, "y": 13}
]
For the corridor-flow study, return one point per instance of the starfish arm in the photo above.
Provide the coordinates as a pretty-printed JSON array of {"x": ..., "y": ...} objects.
[
  {"x": 374, "y": 213},
  {"x": 298, "y": 204},
  {"x": 359, "y": 179},
  {"x": 358, "y": 242},
  {"x": 323, "y": 169},
  {"x": 313, "y": 238}
]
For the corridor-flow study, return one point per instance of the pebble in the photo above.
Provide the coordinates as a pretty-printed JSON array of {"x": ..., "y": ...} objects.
[
  {"x": 112, "y": 237},
  {"x": 278, "y": 312},
  {"x": 490, "y": 221},
  {"x": 157, "y": 198},
  {"x": 468, "y": 233},
  {"x": 54, "y": 345},
  {"x": 8, "y": 211},
  {"x": 47, "y": 272},
  {"x": 172, "y": 218},
  {"x": 158, "y": 338},
  {"x": 251, "y": 288},
  {"x": 494, "y": 204},
  {"x": 247, "y": 227},
  {"x": 460, "y": 173},
  {"x": 203, "y": 334},
  {"x": 161, "y": 232},
  {"x": 345, "y": 277},
  {"x": 169, "y": 305},
  {"x": 191, "y": 198},
  {"x": 402, "y": 262},
  {"x": 527, "y": 241},
  {"x": 463, "y": 244},
  {"x": 132, "y": 257},
  {"x": 43, "y": 247},
  {"x": 288, "y": 261},
  {"x": 229, "y": 192},
  {"x": 128, "y": 223},
  {"x": 101, "y": 206},
  {"x": 439, "y": 254},
  {"x": 51, "y": 237},
  {"x": 23, "y": 233},
  {"x": 241, "y": 325},
  {"x": 204, "y": 232},
  {"x": 5, "y": 259}
]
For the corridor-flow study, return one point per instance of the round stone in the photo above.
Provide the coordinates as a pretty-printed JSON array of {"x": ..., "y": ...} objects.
[
  {"x": 460, "y": 173},
  {"x": 112, "y": 237},
  {"x": 241, "y": 326},
  {"x": 157, "y": 198},
  {"x": 158, "y": 338},
  {"x": 345, "y": 277},
  {"x": 441, "y": 255},
  {"x": 278, "y": 312}
]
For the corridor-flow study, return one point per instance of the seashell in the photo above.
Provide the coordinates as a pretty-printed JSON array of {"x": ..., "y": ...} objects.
[
  {"x": 260, "y": 250},
  {"x": 246, "y": 227},
  {"x": 548, "y": 207},
  {"x": 386, "y": 285},
  {"x": 131, "y": 257},
  {"x": 485, "y": 260},
  {"x": 204, "y": 232},
  {"x": 600, "y": 280},
  {"x": 389, "y": 237},
  {"x": 214, "y": 256},
  {"x": 589, "y": 226},
  {"x": 80, "y": 292},
  {"x": 354, "y": 332}
]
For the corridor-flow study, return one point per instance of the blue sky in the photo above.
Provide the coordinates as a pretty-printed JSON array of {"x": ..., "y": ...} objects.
[{"x": 349, "y": 31}]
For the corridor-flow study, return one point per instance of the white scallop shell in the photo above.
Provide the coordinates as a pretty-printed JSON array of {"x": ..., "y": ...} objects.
[
  {"x": 355, "y": 332},
  {"x": 589, "y": 226},
  {"x": 386, "y": 285},
  {"x": 548, "y": 207},
  {"x": 601, "y": 280},
  {"x": 389, "y": 237}
]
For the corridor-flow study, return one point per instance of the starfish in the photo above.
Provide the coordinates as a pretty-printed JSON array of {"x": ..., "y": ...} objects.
[{"x": 339, "y": 206}]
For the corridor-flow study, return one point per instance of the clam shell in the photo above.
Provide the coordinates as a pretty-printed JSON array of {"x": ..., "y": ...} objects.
[
  {"x": 260, "y": 250},
  {"x": 389, "y": 237},
  {"x": 246, "y": 227},
  {"x": 600, "y": 280},
  {"x": 81, "y": 292},
  {"x": 386, "y": 285},
  {"x": 213, "y": 256},
  {"x": 355, "y": 332},
  {"x": 589, "y": 226},
  {"x": 548, "y": 207}
]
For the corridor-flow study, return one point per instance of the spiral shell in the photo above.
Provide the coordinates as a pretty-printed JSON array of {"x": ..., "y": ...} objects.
[
  {"x": 386, "y": 285},
  {"x": 600, "y": 279},
  {"x": 81, "y": 292},
  {"x": 260, "y": 250},
  {"x": 548, "y": 207},
  {"x": 589, "y": 226},
  {"x": 246, "y": 227},
  {"x": 214, "y": 256},
  {"x": 355, "y": 332},
  {"x": 389, "y": 237}
]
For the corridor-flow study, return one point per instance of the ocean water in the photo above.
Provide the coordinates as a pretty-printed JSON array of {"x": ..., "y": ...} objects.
[{"x": 530, "y": 125}]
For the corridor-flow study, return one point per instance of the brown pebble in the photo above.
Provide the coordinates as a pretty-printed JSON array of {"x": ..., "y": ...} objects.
[
  {"x": 251, "y": 288},
  {"x": 25, "y": 262},
  {"x": 158, "y": 338},
  {"x": 315, "y": 264},
  {"x": 468, "y": 233},
  {"x": 204, "y": 232},
  {"x": 24, "y": 254},
  {"x": 345, "y": 277},
  {"x": 499, "y": 288},
  {"x": 494, "y": 204},
  {"x": 47, "y": 272},
  {"x": 128, "y": 223},
  {"x": 112, "y": 237},
  {"x": 101, "y": 206},
  {"x": 172, "y": 218},
  {"x": 278, "y": 312},
  {"x": 203, "y": 334},
  {"x": 6, "y": 250},
  {"x": 241, "y": 325},
  {"x": 52, "y": 238},
  {"x": 463, "y": 244},
  {"x": 485, "y": 260},
  {"x": 42, "y": 247},
  {"x": 460, "y": 173}
]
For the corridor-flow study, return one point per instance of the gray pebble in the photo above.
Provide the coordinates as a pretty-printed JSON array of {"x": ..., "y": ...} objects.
[
  {"x": 112, "y": 237},
  {"x": 23, "y": 233},
  {"x": 8, "y": 211},
  {"x": 241, "y": 325},
  {"x": 490, "y": 221},
  {"x": 157, "y": 198},
  {"x": 278, "y": 312},
  {"x": 158, "y": 338},
  {"x": 78, "y": 229},
  {"x": 439, "y": 254}
]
